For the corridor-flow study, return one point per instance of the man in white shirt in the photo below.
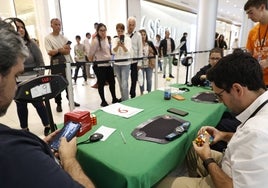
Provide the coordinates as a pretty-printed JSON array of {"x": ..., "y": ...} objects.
[
  {"x": 237, "y": 81},
  {"x": 56, "y": 43},
  {"x": 137, "y": 52},
  {"x": 87, "y": 46}
]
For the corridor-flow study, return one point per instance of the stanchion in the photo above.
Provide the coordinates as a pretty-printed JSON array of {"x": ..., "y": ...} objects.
[
  {"x": 156, "y": 73},
  {"x": 70, "y": 86}
]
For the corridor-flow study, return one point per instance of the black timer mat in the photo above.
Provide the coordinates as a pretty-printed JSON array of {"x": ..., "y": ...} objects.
[
  {"x": 206, "y": 97},
  {"x": 157, "y": 128}
]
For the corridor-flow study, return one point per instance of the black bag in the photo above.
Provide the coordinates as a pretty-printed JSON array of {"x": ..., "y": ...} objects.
[
  {"x": 175, "y": 61},
  {"x": 56, "y": 63}
]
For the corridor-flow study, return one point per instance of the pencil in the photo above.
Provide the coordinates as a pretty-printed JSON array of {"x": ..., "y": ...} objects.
[{"x": 123, "y": 137}]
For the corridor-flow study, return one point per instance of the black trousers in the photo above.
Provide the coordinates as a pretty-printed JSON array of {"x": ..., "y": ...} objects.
[
  {"x": 105, "y": 74},
  {"x": 81, "y": 65},
  {"x": 134, "y": 79}
]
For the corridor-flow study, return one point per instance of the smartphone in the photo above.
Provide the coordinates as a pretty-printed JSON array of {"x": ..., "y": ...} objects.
[
  {"x": 69, "y": 42},
  {"x": 69, "y": 131},
  {"x": 122, "y": 38},
  {"x": 177, "y": 111}
]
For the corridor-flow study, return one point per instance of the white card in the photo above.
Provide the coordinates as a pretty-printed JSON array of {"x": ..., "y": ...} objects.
[{"x": 105, "y": 131}]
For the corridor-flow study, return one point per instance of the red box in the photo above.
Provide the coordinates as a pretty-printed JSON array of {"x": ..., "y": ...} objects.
[{"x": 83, "y": 117}]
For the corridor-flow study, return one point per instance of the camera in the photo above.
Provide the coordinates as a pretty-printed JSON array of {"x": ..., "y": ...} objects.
[{"x": 122, "y": 38}]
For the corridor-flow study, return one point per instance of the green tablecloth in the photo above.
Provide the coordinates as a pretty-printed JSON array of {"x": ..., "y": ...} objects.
[{"x": 141, "y": 164}]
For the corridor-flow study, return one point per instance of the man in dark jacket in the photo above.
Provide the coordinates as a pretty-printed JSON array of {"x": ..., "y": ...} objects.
[
  {"x": 183, "y": 48},
  {"x": 200, "y": 78},
  {"x": 166, "y": 47}
]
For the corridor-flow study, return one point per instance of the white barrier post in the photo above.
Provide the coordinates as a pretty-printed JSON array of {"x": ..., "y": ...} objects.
[
  {"x": 156, "y": 73},
  {"x": 178, "y": 68},
  {"x": 70, "y": 86}
]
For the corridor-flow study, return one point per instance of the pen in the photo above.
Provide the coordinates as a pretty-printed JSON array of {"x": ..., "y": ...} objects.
[{"x": 123, "y": 137}]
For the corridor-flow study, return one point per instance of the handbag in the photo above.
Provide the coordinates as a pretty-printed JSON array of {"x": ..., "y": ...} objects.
[
  {"x": 175, "y": 61},
  {"x": 56, "y": 63},
  {"x": 151, "y": 60}
]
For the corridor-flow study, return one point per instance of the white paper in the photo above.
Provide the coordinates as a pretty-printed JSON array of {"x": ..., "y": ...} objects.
[
  {"x": 105, "y": 131},
  {"x": 121, "y": 110}
]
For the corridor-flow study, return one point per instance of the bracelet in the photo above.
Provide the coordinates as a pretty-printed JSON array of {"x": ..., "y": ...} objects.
[{"x": 207, "y": 162}]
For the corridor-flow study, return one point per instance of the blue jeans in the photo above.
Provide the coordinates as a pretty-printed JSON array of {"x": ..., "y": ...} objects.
[
  {"x": 160, "y": 65},
  {"x": 147, "y": 74},
  {"x": 167, "y": 60},
  {"x": 122, "y": 75}
]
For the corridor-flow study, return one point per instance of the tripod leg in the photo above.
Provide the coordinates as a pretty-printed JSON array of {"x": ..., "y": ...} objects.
[
  {"x": 186, "y": 79},
  {"x": 53, "y": 126}
]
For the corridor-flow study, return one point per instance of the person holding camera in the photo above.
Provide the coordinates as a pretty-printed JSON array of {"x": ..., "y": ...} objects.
[{"x": 121, "y": 48}]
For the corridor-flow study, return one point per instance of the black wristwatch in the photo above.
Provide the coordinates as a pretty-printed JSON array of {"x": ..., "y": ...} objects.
[{"x": 207, "y": 162}]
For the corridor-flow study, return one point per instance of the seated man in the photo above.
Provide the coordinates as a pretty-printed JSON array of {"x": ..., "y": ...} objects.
[
  {"x": 200, "y": 78},
  {"x": 228, "y": 122},
  {"x": 25, "y": 159},
  {"x": 243, "y": 165}
]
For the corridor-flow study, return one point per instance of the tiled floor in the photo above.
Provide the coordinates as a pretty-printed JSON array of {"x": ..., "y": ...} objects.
[{"x": 85, "y": 95}]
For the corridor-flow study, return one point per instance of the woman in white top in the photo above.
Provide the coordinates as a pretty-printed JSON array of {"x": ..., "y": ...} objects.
[
  {"x": 121, "y": 48},
  {"x": 147, "y": 66}
]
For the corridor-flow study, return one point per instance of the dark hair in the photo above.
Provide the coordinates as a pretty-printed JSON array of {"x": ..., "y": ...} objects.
[
  {"x": 255, "y": 3},
  {"x": 26, "y": 36},
  {"x": 120, "y": 26},
  {"x": 88, "y": 34},
  {"x": 54, "y": 19},
  {"x": 11, "y": 47},
  {"x": 98, "y": 36},
  {"x": 14, "y": 20},
  {"x": 216, "y": 35},
  {"x": 78, "y": 37},
  {"x": 144, "y": 31},
  {"x": 216, "y": 50},
  {"x": 239, "y": 67}
]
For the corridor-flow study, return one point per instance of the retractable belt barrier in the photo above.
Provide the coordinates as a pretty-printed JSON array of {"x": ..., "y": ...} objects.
[{"x": 27, "y": 69}]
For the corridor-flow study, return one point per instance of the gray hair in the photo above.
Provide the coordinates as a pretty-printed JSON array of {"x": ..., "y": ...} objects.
[
  {"x": 11, "y": 47},
  {"x": 132, "y": 18}
]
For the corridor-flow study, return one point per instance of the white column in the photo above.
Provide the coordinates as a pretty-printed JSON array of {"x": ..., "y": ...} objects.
[
  {"x": 205, "y": 35},
  {"x": 7, "y": 9},
  {"x": 247, "y": 24},
  {"x": 134, "y": 9}
]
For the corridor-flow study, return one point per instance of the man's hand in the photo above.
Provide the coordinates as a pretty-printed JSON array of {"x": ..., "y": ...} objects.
[
  {"x": 264, "y": 63},
  {"x": 203, "y": 77},
  {"x": 203, "y": 151},
  {"x": 67, "y": 150},
  {"x": 212, "y": 131},
  {"x": 50, "y": 137}
]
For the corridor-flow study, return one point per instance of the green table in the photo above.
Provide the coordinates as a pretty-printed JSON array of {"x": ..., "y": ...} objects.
[{"x": 141, "y": 164}]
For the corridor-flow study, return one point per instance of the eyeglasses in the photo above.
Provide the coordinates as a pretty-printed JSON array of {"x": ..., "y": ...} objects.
[
  {"x": 219, "y": 95},
  {"x": 102, "y": 30},
  {"x": 215, "y": 58}
]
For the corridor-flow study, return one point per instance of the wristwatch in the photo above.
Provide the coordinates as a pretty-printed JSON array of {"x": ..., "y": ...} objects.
[{"x": 207, "y": 162}]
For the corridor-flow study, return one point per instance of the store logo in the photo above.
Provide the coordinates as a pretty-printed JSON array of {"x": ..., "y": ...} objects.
[{"x": 154, "y": 27}]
